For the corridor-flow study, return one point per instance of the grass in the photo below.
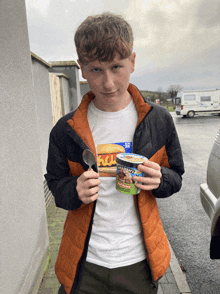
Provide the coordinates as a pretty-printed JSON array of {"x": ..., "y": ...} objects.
[{"x": 170, "y": 107}]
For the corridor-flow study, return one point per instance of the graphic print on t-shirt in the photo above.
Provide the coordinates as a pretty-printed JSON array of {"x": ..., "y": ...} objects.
[{"x": 107, "y": 157}]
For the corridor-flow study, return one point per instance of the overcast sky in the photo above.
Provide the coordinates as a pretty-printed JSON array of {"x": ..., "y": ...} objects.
[{"x": 177, "y": 42}]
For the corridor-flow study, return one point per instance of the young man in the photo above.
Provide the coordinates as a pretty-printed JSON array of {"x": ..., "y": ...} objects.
[{"x": 112, "y": 242}]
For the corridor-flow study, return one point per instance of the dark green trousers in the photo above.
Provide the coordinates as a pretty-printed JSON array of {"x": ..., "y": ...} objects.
[{"x": 132, "y": 279}]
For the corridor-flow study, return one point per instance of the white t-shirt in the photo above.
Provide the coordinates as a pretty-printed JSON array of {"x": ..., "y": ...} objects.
[{"x": 116, "y": 238}]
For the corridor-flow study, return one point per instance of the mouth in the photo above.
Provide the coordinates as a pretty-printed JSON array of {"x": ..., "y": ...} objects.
[{"x": 109, "y": 93}]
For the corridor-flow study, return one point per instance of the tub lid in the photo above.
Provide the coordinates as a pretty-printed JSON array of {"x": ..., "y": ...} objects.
[{"x": 130, "y": 159}]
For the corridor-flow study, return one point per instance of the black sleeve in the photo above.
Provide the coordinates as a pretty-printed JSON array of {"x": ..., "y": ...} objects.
[
  {"x": 59, "y": 180},
  {"x": 171, "y": 180}
]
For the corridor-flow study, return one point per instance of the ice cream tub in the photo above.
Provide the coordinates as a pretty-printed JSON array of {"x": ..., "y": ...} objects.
[{"x": 127, "y": 164}]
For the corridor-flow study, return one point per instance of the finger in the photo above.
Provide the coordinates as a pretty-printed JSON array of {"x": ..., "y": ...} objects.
[
  {"x": 86, "y": 176},
  {"x": 91, "y": 183},
  {"x": 149, "y": 172},
  {"x": 149, "y": 187},
  {"x": 92, "y": 191},
  {"x": 87, "y": 200},
  {"x": 147, "y": 180},
  {"x": 148, "y": 166},
  {"x": 83, "y": 194},
  {"x": 93, "y": 197},
  {"x": 89, "y": 174},
  {"x": 151, "y": 164}
]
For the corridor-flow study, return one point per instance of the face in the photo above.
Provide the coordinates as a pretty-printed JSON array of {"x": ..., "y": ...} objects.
[{"x": 109, "y": 82}]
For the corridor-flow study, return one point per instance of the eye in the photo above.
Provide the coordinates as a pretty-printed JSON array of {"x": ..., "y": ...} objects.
[
  {"x": 116, "y": 67},
  {"x": 95, "y": 69}
]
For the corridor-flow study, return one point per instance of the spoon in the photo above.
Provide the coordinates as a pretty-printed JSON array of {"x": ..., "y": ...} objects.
[{"x": 88, "y": 158}]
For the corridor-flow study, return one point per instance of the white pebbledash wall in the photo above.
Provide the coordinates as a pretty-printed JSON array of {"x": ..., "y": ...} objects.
[{"x": 24, "y": 235}]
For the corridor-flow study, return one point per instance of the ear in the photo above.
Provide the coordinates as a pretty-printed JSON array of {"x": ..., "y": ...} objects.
[
  {"x": 82, "y": 66},
  {"x": 132, "y": 60}
]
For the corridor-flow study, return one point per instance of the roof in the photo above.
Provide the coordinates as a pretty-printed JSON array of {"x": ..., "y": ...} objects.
[
  {"x": 35, "y": 56},
  {"x": 64, "y": 63},
  {"x": 61, "y": 75},
  {"x": 204, "y": 90}
]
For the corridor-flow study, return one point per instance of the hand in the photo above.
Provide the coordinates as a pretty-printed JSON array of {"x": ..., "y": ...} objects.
[
  {"x": 152, "y": 177},
  {"x": 88, "y": 186}
]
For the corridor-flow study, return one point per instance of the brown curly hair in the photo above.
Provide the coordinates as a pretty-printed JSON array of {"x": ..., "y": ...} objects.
[{"x": 102, "y": 36}]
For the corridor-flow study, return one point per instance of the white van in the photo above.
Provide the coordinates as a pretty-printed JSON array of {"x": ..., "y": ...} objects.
[{"x": 189, "y": 103}]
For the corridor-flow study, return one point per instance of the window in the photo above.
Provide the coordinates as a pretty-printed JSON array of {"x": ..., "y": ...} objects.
[
  {"x": 189, "y": 97},
  {"x": 177, "y": 101},
  {"x": 205, "y": 98}
]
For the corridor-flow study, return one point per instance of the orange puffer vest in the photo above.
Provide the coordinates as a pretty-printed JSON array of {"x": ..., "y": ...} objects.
[{"x": 78, "y": 221}]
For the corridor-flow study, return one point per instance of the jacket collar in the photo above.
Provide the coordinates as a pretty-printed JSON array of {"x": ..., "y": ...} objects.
[
  {"x": 142, "y": 107},
  {"x": 79, "y": 122}
]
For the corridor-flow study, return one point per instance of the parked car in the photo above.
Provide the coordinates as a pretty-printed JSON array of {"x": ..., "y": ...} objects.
[{"x": 210, "y": 197}]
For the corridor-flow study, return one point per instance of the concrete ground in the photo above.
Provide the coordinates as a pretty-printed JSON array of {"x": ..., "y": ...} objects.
[{"x": 173, "y": 282}]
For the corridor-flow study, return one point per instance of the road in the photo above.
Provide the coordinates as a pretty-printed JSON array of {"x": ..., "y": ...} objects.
[{"x": 185, "y": 222}]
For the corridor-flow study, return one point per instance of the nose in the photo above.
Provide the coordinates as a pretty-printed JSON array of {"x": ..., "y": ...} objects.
[{"x": 108, "y": 82}]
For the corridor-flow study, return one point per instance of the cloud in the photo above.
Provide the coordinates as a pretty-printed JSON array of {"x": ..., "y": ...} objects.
[
  {"x": 52, "y": 25},
  {"x": 208, "y": 14},
  {"x": 41, "y": 6},
  {"x": 199, "y": 71},
  {"x": 49, "y": 37},
  {"x": 165, "y": 35},
  {"x": 174, "y": 40}
]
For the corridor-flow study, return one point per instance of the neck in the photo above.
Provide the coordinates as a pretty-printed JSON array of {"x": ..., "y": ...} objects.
[{"x": 113, "y": 106}]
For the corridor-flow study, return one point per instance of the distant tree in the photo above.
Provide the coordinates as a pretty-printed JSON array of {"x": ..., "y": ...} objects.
[{"x": 173, "y": 90}]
